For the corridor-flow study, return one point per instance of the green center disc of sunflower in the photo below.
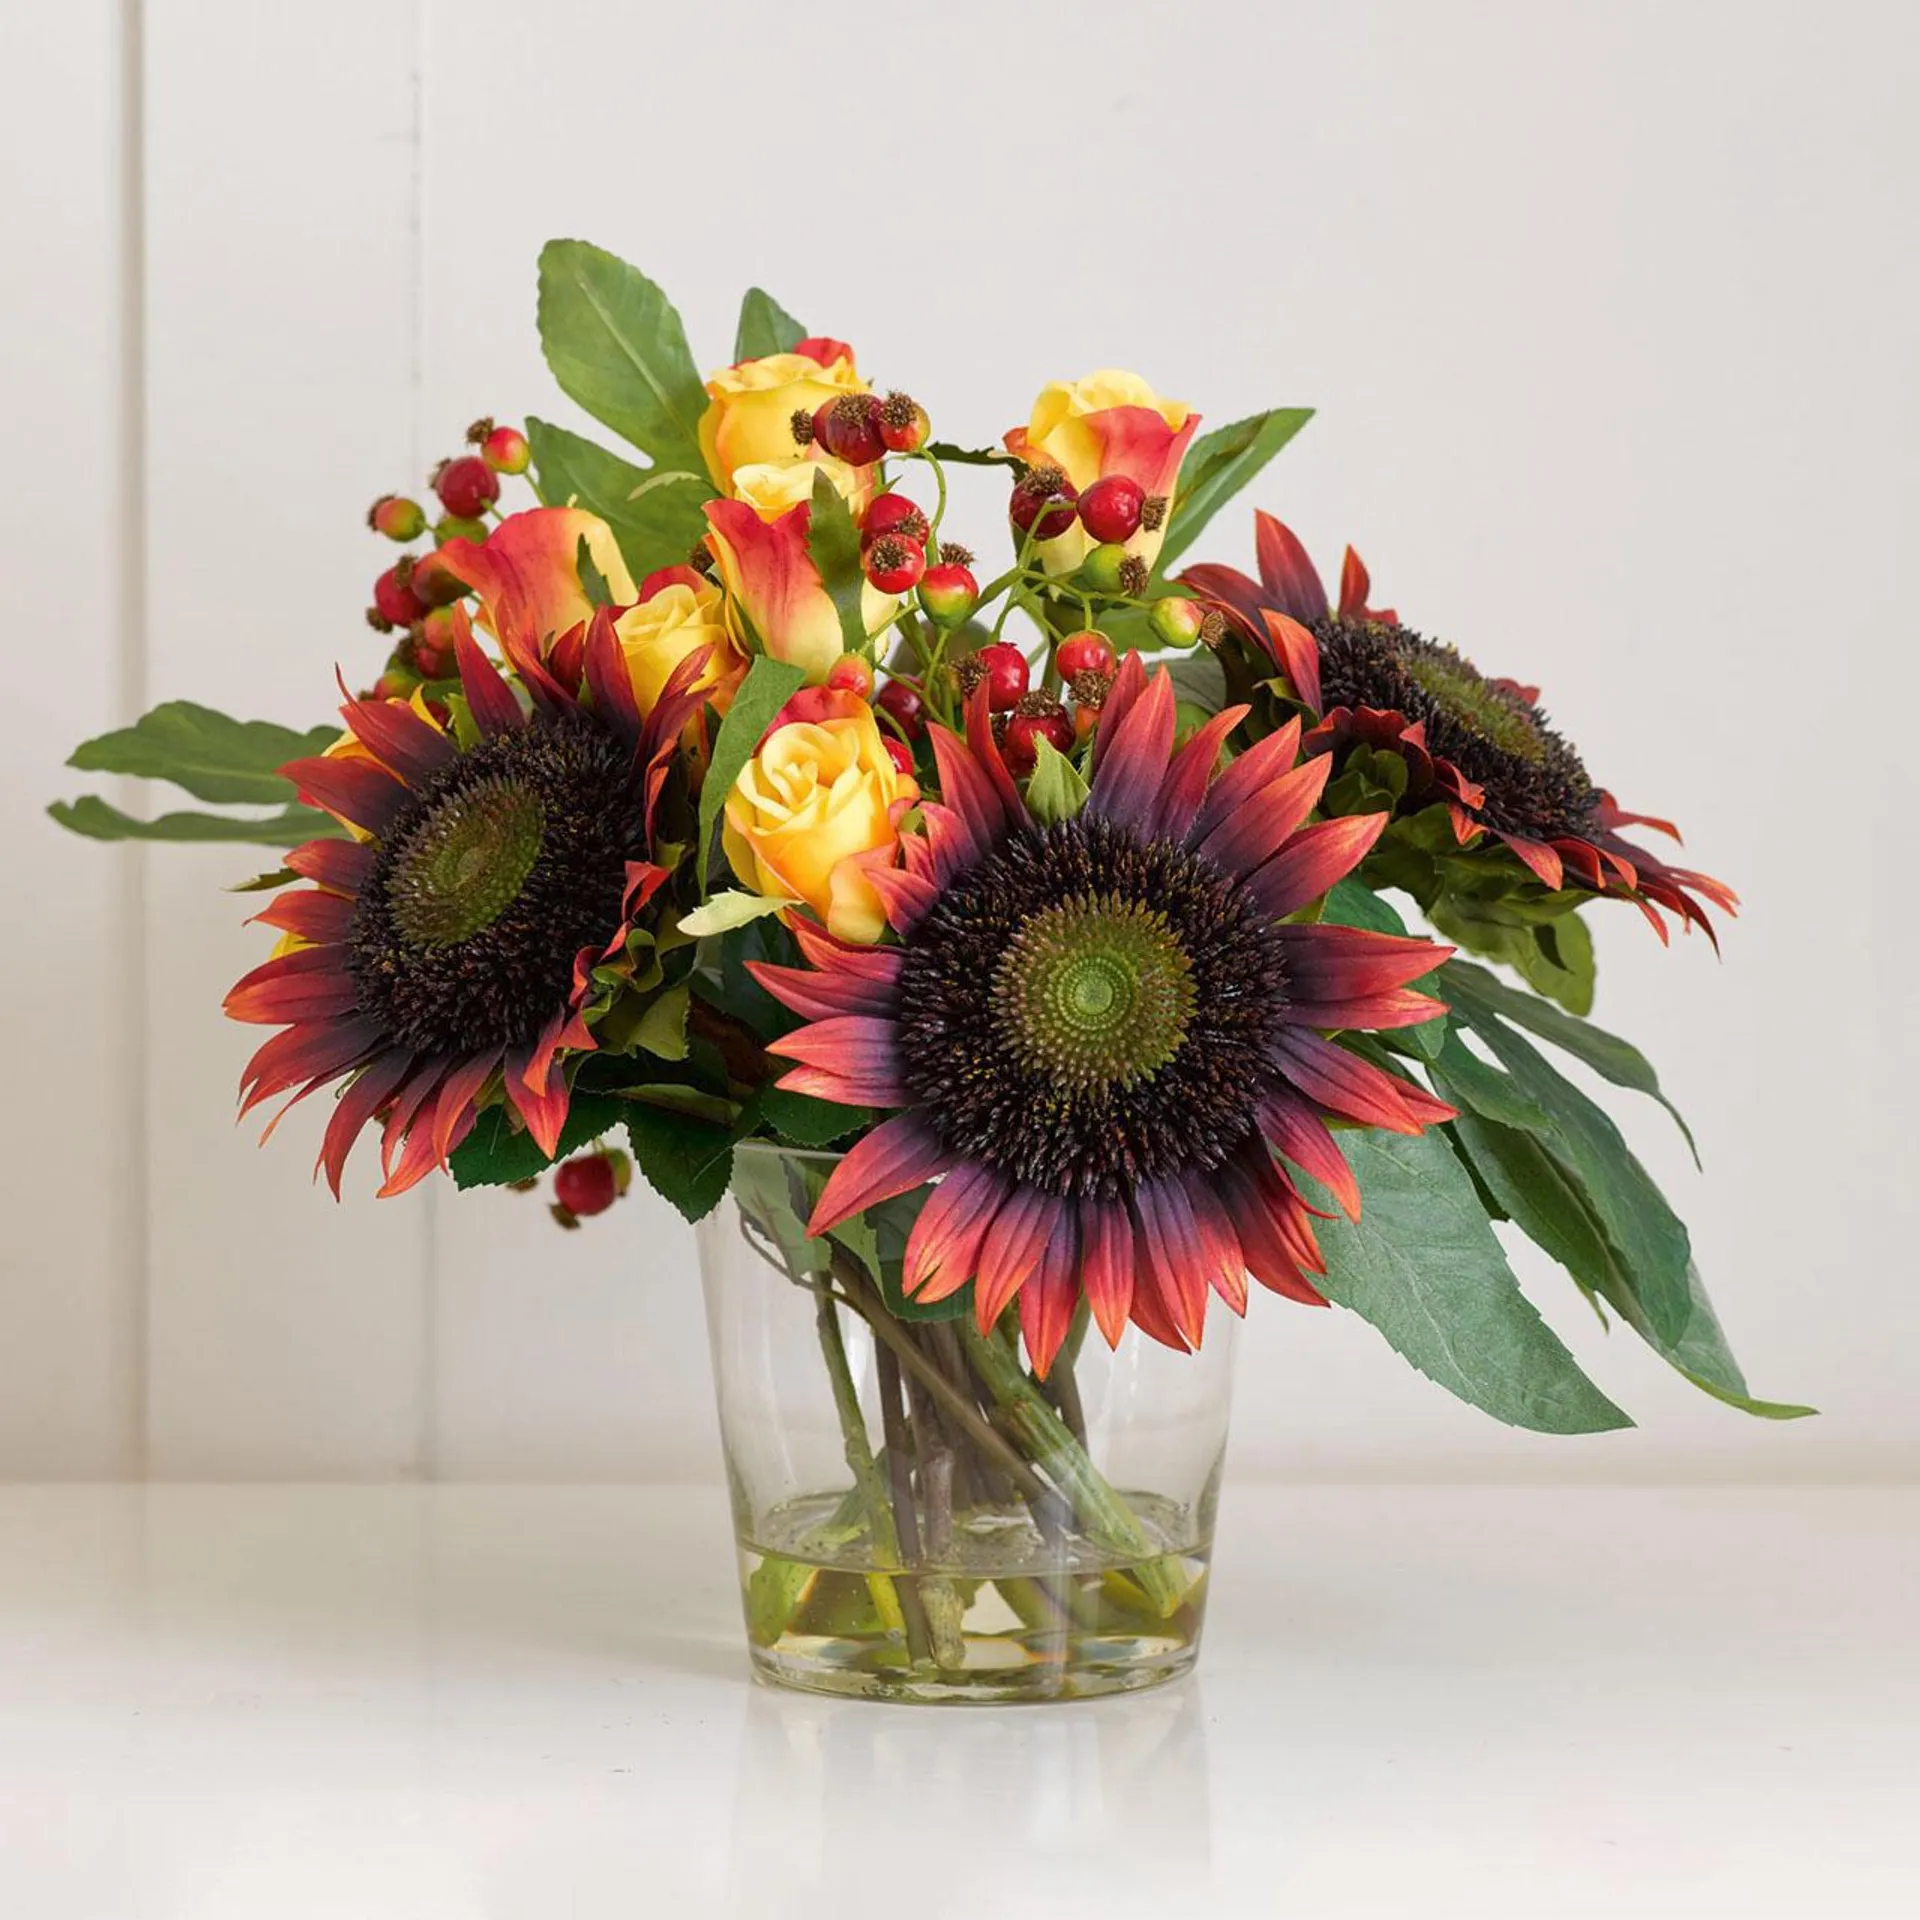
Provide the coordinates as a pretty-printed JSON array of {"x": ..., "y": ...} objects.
[
  {"x": 465, "y": 863},
  {"x": 1096, "y": 991},
  {"x": 1448, "y": 680}
]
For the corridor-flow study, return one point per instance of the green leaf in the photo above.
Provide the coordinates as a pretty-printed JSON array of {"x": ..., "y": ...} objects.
[
  {"x": 808, "y": 1122},
  {"x": 656, "y": 517},
  {"x": 950, "y": 455},
  {"x": 1606, "y": 1053},
  {"x": 1423, "y": 1265},
  {"x": 1199, "y": 679},
  {"x": 1557, "y": 963},
  {"x": 662, "y": 1027},
  {"x": 765, "y": 327},
  {"x": 230, "y": 762},
  {"x": 892, "y": 1222},
  {"x": 726, "y": 911},
  {"x": 1547, "y": 1205},
  {"x": 1488, "y": 1090},
  {"x": 1056, "y": 789},
  {"x": 291, "y": 827},
  {"x": 1218, "y": 465},
  {"x": 1649, "y": 1236},
  {"x": 499, "y": 1151},
  {"x": 833, "y": 544},
  {"x": 593, "y": 583},
  {"x": 687, "y": 1161},
  {"x": 768, "y": 686},
  {"x": 616, "y": 346}
]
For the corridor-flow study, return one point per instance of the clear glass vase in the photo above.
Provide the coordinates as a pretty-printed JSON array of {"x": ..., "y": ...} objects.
[{"x": 919, "y": 1517}]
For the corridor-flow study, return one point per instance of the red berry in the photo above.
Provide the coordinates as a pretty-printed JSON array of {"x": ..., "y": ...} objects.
[
  {"x": 949, "y": 593},
  {"x": 1029, "y": 507},
  {"x": 397, "y": 683},
  {"x": 467, "y": 486},
  {"x": 906, "y": 706},
  {"x": 851, "y": 673},
  {"x": 1038, "y": 717},
  {"x": 849, "y": 429},
  {"x": 904, "y": 425},
  {"x": 1084, "y": 653},
  {"x": 895, "y": 565},
  {"x": 1004, "y": 669},
  {"x": 1110, "y": 508},
  {"x": 586, "y": 1186},
  {"x": 435, "y": 582},
  {"x": 898, "y": 752},
  {"x": 894, "y": 513},
  {"x": 505, "y": 450},
  {"x": 397, "y": 517},
  {"x": 394, "y": 598}
]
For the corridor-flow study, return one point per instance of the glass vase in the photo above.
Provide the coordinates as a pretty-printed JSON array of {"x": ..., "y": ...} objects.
[{"x": 919, "y": 1516}]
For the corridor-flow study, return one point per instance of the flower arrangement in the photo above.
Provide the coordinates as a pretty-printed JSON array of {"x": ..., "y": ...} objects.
[{"x": 1069, "y": 932}]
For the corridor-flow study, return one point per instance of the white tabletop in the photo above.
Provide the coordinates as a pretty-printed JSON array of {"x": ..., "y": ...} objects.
[{"x": 271, "y": 1703}]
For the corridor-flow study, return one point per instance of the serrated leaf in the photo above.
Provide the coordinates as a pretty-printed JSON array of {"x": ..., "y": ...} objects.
[
  {"x": 1614, "y": 1059},
  {"x": 291, "y": 827},
  {"x": 1423, "y": 1266},
  {"x": 616, "y": 346},
  {"x": 656, "y": 517},
  {"x": 765, "y": 327},
  {"x": 1056, "y": 789},
  {"x": 768, "y": 686},
  {"x": 500, "y": 1152},
  {"x": 687, "y": 1161},
  {"x": 213, "y": 756},
  {"x": 833, "y": 545},
  {"x": 1650, "y": 1238},
  {"x": 808, "y": 1122},
  {"x": 726, "y": 911},
  {"x": 1545, "y": 1201},
  {"x": 1218, "y": 465}
]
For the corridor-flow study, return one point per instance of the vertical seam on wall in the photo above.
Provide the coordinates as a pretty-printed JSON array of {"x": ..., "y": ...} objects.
[
  {"x": 426, "y": 1445},
  {"x": 129, "y": 1370}
]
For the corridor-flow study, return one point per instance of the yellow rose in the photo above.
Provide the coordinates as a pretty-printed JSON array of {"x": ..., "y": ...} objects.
[
  {"x": 814, "y": 809},
  {"x": 1111, "y": 422},
  {"x": 750, "y": 407},
  {"x": 677, "y": 613}
]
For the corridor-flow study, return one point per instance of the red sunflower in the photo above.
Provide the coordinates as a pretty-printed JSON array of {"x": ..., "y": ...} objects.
[
  {"x": 1479, "y": 745},
  {"x": 1104, "y": 1032},
  {"x": 466, "y": 943}
]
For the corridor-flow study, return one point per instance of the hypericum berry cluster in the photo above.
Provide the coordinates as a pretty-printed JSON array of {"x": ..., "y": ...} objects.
[
  {"x": 1113, "y": 509},
  {"x": 415, "y": 596},
  {"x": 861, "y": 428}
]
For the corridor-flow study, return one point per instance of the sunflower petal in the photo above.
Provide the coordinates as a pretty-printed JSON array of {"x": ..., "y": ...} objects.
[
  {"x": 358, "y": 1103},
  {"x": 1131, "y": 766},
  {"x": 897, "y": 1156},
  {"x": 492, "y": 702},
  {"x": 1293, "y": 1126},
  {"x": 1343, "y": 1083},
  {"x": 1265, "y": 821},
  {"x": 1291, "y": 580},
  {"x": 1313, "y": 859},
  {"x": 411, "y": 748},
  {"x": 944, "y": 1242},
  {"x": 1048, "y": 1300},
  {"x": 341, "y": 866},
  {"x": 1011, "y": 1253},
  {"x": 1185, "y": 786},
  {"x": 356, "y": 791},
  {"x": 1344, "y": 963},
  {"x": 1106, "y": 1264},
  {"x": 1177, "y": 1255},
  {"x": 1263, "y": 762}
]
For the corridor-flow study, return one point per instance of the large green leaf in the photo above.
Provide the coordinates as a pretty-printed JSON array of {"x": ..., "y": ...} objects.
[
  {"x": 291, "y": 827},
  {"x": 1218, "y": 465},
  {"x": 1649, "y": 1236},
  {"x": 685, "y": 1160},
  {"x": 765, "y": 327},
  {"x": 499, "y": 1151},
  {"x": 808, "y": 1122},
  {"x": 1606, "y": 1053},
  {"x": 616, "y": 346},
  {"x": 1541, "y": 1198},
  {"x": 657, "y": 528},
  {"x": 1553, "y": 954},
  {"x": 1422, "y": 1264},
  {"x": 214, "y": 757},
  {"x": 769, "y": 685},
  {"x": 833, "y": 545}
]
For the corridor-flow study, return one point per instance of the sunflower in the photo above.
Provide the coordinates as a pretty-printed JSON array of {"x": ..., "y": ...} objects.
[
  {"x": 1102, "y": 1033},
  {"x": 1479, "y": 745},
  {"x": 461, "y": 945}
]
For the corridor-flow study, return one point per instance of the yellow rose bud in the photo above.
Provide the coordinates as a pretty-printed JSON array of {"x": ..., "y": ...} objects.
[
  {"x": 677, "y": 614},
  {"x": 1110, "y": 422},
  {"x": 750, "y": 408},
  {"x": 816, "y": 807}
]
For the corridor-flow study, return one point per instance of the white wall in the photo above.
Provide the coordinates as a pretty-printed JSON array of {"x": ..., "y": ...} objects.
[{"x": 1611, "y": 316}]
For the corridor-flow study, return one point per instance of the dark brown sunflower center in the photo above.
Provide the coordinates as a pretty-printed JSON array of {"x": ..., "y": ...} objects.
[
  {"x": 1086, "y": 1009},
  {"x": 1535, "y": 783},
  {"x": 509, "y": 862}
]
